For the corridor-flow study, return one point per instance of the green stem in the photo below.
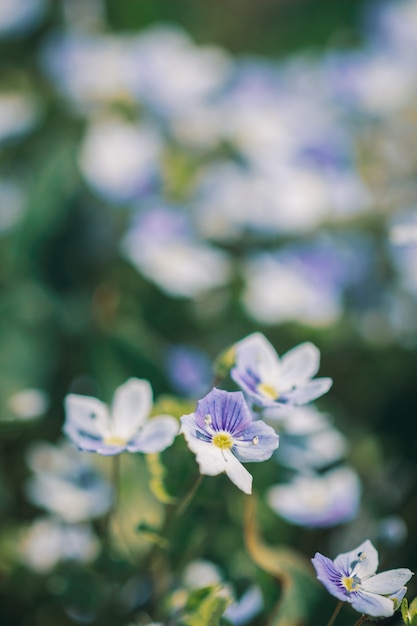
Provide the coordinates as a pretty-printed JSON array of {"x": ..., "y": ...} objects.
[
  {"x": 187, "y": 499},
  {"x": 335, "y": 613},
  {"x": 116, "y": 462}
]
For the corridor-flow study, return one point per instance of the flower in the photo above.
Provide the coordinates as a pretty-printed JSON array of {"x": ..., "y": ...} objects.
[
  {"x": 49, "y": 541},
  {"x": 91, "y": 427},
  {"x": 269, "y": 380},
  {"x": 65, "y": 483},
  {"x": 318, "y": 501},
  {"x": 351, "y": 578},
  {"x": 222, "y": 433}
]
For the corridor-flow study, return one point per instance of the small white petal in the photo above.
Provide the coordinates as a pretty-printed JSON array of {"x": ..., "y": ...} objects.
[
  {"x": 209, "y": 458},
  {"x": 238, "y": 474},
  {"x": 132, "y": 403}
]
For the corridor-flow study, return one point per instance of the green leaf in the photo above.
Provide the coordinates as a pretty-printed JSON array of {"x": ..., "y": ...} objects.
[
  {"x": 299, "y": 587},
  {"x": 205, "y": 606},
  {"x": 409, "y": 613}
]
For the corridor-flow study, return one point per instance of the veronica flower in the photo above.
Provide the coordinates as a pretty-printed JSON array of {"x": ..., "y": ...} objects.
[
  {"x": 91, "y": 426},
  {"x": 351, "y": 578},
  {"x": 222, "y": 433},
  {"x": 318, "y": 501},
  {"x": 269, "y": 380}
]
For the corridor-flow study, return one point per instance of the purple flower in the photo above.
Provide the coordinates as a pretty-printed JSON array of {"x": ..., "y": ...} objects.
[
  {"x": 269, "y": 380},
  {"x": 222, "y": 433},
  {"x": 351, "y": 578},
  {"x": 91, "y": 427}
]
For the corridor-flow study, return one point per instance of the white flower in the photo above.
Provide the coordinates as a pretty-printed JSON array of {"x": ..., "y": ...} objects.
[{"x": 91, "y": 426}]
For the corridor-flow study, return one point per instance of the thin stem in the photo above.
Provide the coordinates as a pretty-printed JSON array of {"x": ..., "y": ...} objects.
[
  {"x": 361, "y": 620},
  {"x": 116, "y": 462},
  {"x": 186, "y": 501},
  {"x": 335, "y": 613}
]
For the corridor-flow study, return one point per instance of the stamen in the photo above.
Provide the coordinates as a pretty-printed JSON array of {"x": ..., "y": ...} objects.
[
  {"x": 222, "y": 440},
  {"x": 255, "y": 440}
]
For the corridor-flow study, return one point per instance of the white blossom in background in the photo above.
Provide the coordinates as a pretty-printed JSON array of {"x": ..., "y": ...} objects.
[
  {"x": 65, "y": 484},
  {"x": 120, "y": 160},
  {"x": 28, "y": 404},
  {"x": 318, "y": 500},
  {"x": 169, "y": 72},
  {"x": 50, "y": 541},
  {"x": 162, "y": 247}
]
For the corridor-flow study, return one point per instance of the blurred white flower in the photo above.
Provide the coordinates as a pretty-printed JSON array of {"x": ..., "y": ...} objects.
[
  {"x": 64, "y": 483},
  {"x": 166, "y": 253},
  {"x": 28, "y": 404},
  {"x": 314, "y": 450},
  {"x": 277, "y": 292},
  {"x": 49, "y": 541},
  {"x": 169, "y": 72},
  {"x": 120, "y": 159},
  {"x": 318, "y": 500}
]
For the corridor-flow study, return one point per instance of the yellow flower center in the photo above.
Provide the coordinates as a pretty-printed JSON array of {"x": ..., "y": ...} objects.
[
  {"x": 222, "y": 441},
  {"x": 111, "y": 440},
  {"x": 268, "y": 390},
  {"x": 350, "y": 583}
]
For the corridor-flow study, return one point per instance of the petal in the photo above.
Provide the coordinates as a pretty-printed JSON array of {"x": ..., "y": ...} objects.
[
  {"x": 227, "y": 409},
  {"x": 371, "y": 604},
  {"x": 132, "y": 403},
  {"x": 238, "y": 474},
  {"x": 256, "y": 443},
  {"x": 329, "y": 575},
  {"x": 89, "y": 443},
  {"x": 387, "y": 583},
  {"x": 210, "y": 459},
  {"x": 308, "y": 391},
  {"x": 254, "y": 351},
  {"x": 155, "y": 436},
  {"x": 362, "y": 561},
  {"x": 86, "y": 414},
  {"x": 299, "y": 364}
]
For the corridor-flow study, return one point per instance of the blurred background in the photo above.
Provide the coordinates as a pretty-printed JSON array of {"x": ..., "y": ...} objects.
[{"x": 174, "y": 176}]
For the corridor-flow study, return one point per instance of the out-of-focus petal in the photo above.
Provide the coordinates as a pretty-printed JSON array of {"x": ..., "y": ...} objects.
[
  {"x": 299, "y": 364},
  {"x": 309, "y": 391},
  {"x": 132, "y": 404},
  {"x": 87, "y": 414},
  {"x": 155, "y": 436}
]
